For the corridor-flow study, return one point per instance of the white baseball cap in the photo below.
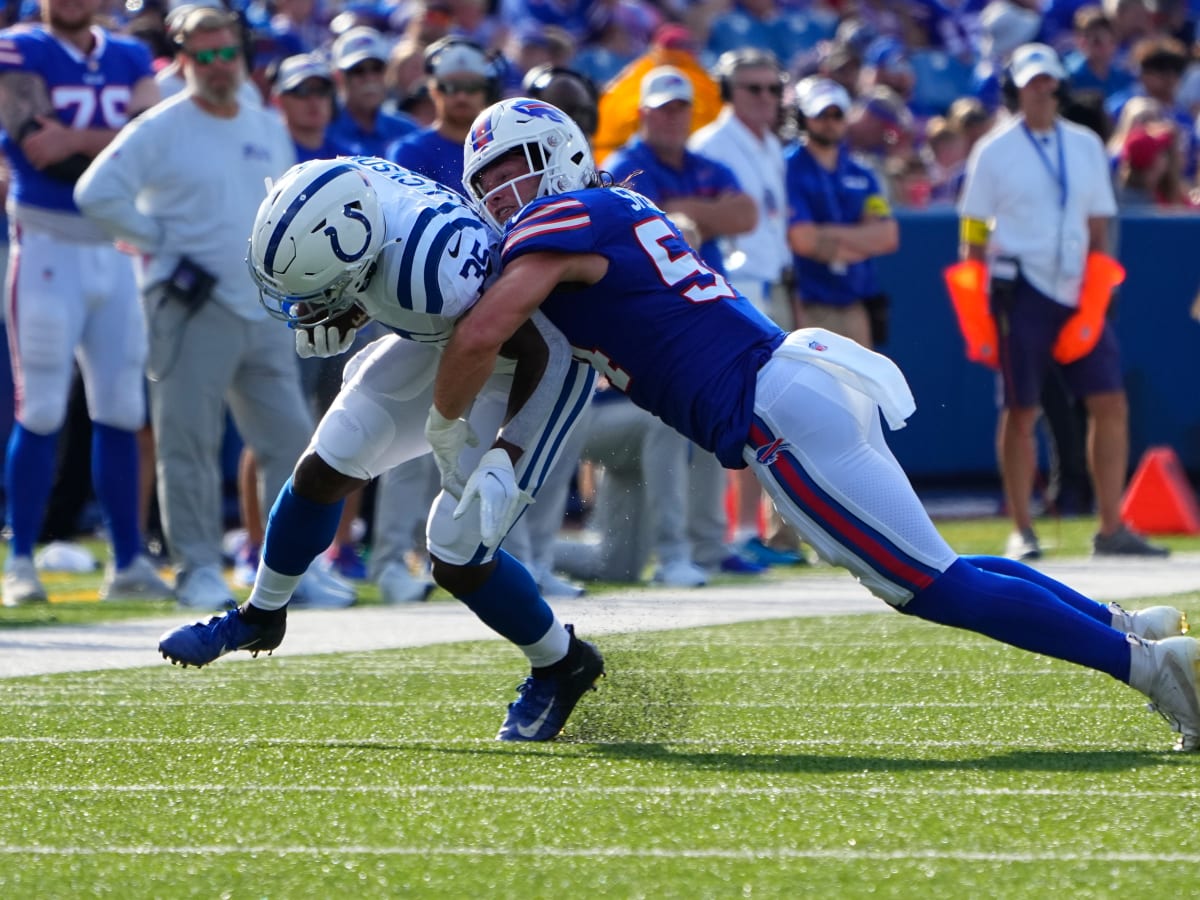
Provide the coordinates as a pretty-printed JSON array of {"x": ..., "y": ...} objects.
[
  {"x": 359, "y": 44},
  {"x": 458, "y": 57},
  {"x": 1032, "y": 60},
  {"x": 662, "y": 85},
  {"x": 820, "y": 94},
  {"x": 295, "y": 70}
]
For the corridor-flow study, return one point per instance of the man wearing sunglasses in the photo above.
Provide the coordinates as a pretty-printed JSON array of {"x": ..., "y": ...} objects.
[
  {"x": 838, "y": 220},
  {"x": 360, "y": 57},
  {"x": 66, "y": 87},
  {"x": 303, "y": 91},
  {"x": 182, "y": 185}
]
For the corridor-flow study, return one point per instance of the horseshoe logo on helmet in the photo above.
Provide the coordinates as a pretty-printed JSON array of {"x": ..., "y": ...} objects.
[{"x": 350, "y": 211}]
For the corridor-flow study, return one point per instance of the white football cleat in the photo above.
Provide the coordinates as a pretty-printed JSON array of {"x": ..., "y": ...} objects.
[
  {"x": 21, "y": 582},
  {"x": 137, "y": 581},
  {"x": 397, "y": 585},
  {"x": 1153, "y": 623},
  {"x": 1166, "y": 671}
]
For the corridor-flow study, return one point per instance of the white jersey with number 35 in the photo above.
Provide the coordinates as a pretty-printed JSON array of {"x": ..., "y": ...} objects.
[{"x": 436, "y": 260}]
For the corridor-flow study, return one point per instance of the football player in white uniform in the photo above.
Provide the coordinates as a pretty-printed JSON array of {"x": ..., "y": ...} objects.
[{"x": 337, "y": 242}]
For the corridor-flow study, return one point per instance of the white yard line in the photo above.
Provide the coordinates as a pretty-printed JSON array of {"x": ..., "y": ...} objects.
[{"x": 132, "y": 643}]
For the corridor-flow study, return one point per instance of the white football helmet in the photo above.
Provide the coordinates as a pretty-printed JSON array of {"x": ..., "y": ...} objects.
[
  {"x": 555, "y": 149},
  {"x": 315, "y": 238}
]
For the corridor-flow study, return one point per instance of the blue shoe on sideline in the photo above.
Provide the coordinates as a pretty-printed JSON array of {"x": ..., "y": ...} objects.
[
  {"x": 736, "y": 564},
  {"x": 202, "y": 642},
  {"x": 348, "y": 563},
  {"x": 544, "y": 704},
  {"x": 759, "y": 552}
]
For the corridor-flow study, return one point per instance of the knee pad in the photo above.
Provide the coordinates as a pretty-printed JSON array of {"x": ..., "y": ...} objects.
[{"x": 352, "y": 434}]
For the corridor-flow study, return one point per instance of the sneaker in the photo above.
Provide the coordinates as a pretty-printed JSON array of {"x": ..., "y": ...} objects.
[
  {"x": 680, "y": 574},
  {"x": 348, "y": 563},
  {"x": 1023, "y": 545},
  {"x": 552, "y": 586},
  {"x": 204, "y": 588},
  {"x": 320, "y": 588},
  {"x": 1153, "y": 623},
  {"x": 1124, "y": 542},
  {"x": 137, "y": 581},
  {"x": 736, "y": 564},
  {"x": 65, "y": 556},
  {"x": 755, "y": 550},
  {"x": 1166, "y": 672},
  {"x": 21, "y": 583},
  {"x": 202, "y": 642},
  {"x": 544, "y": 703},
  {"x": 245, "y": 564},
  {"x": 397, "y": 585}
]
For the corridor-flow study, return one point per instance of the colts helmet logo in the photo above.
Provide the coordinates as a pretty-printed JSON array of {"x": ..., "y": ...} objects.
[{"x": 350, "y": 211}]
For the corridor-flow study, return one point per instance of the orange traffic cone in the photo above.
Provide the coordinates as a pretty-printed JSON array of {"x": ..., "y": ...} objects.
[{"x": 1159, "y": 499}]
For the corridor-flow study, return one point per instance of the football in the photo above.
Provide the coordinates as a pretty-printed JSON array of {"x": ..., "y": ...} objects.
[{"x": 354, "y": 317}]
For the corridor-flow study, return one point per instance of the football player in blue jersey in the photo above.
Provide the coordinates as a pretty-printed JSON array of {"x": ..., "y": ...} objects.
[
  {"x": 337, "y": 242},
  {"x": 66, "y": 87},
  {"x": 802, "y": 410}
]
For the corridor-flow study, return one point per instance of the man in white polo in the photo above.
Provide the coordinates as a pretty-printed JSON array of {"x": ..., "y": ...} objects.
[{"x": 1037, "y": 200}]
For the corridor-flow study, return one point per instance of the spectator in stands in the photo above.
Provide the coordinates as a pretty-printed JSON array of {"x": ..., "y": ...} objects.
[
  {"x": 1092, "y": 65},
  {"x": 303, "y": 91},
  {"x": 886, "y": 64},
  {"x": 361, "y": 124},
  {"x": 1131, "y": 21},
  {"x": 969, "y": 117},
  {"x": 1144, "y": 163},
  {"x": 841, "y": 63},
  {"x": 945, "y": 154},
  {"x": 1037, "y": 201},
  {"x": 878, "y": 128},
  {"x": 621, "y": 33},
  {"x": 568, "y": 89},
  {"x": 1005, "y": 25},
  {"x": 1160, "y": 63},
  {"x": 767, "y": 25},
  {"x": 528, "y": 48},
  {"x": 182, "y": 184},
  {"x": 839, "y": 220}
]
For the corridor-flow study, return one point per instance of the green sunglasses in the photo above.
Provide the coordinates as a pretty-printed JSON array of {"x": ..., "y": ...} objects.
[{"x": 224, "y": 54}]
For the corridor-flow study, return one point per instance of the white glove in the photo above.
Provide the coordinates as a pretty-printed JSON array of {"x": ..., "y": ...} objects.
[
  {"x": 500, "y": 500},
  {"x": 322, "y": 341},
  {"x": 448, "y": 438}
]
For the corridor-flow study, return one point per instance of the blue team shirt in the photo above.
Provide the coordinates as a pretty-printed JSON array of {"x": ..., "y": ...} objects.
[
  {"x": 428, "y": 153},
  {"x": 661, "y": 325},
  {"x": 87, "y": 92},
  {"x": 699, "y": 177},
  {"x": 329, "y": 149},
  {"x": 389, "y": 128},
  {"x": 839, "y": 197}
]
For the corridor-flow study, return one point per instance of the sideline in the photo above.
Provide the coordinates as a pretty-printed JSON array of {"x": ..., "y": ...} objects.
[{"x": 132, "y": 643}]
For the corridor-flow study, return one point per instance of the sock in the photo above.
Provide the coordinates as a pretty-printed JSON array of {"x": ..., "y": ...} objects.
[
  {"x": 298, "y": 531},
  {"x": 1022, "y": 613},
  {"x": 28, "y": 475},
  {"x": 272, "y": 590},
  {"x": 998, "y": 564},
  {"x": 115, "y": 481},
  {"x": 552, "y": 652},
  {"x": 510, "y": 604}
]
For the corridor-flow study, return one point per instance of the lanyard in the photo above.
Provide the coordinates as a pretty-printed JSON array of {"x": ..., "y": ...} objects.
[{"x": 1061, "y": 174}]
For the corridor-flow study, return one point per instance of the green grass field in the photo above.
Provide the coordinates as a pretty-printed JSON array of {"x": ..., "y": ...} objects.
[{"x": 853, "y": 756}]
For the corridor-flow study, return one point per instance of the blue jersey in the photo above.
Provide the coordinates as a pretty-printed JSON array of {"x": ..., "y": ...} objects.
[
  {"x": 388, "y": 129},
  {"x": 329, "y": 149},
  {"x": 700, "y": 177},
  {"x": 431, "y": 155},
  {"x": 661, "y": 325},
  {"x": 840, "y": 197},
  {"x": 87, "y": 92}
]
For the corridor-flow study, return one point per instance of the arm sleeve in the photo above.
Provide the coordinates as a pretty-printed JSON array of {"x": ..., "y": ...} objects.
[{"x": 107, "y": 192}]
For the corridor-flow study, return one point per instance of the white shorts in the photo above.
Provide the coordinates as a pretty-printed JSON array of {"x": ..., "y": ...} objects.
[
  {"x": 818, "y": 448},
  {"x": 65, "y": 301},
  {"x": 378, "y": 419}
]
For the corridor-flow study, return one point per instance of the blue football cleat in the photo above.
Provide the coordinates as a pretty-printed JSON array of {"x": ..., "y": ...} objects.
[
  {"x": 757, "y": 551},
  {"x": 544, "y": 704},
  {"x": 202, "y": 642}
]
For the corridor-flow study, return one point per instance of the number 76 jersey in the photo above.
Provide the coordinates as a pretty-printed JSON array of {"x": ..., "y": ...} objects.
[
  {"x": 91, "y": 91},
  {"x": 661, "y": 325}
]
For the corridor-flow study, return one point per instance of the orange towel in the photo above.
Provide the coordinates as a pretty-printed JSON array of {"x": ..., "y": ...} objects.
[
  {"x": 967, "y": 282},
  {"x": 1081, "y": 332}
]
